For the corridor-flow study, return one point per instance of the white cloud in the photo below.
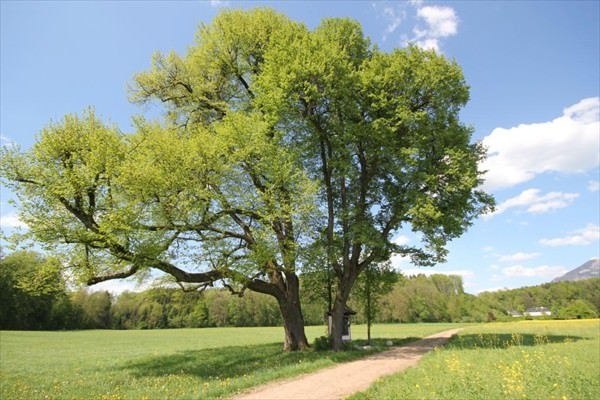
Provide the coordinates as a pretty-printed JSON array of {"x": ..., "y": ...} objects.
[
  {"x": 518, "y": 271},
  {"x": 593, "y": 186},
  {"x": 441, "y": 22},
  {"x": 568, "y": 143},
  {"x": 433, "y": 23},
  {"x": 397, "y": 260},
  {"x": 519, "y": 256},
  {"x": 118, "y": 286},
  {"x": 401, "y": 240},
  {"x": 6, "y": 141},
  {"x": 535, "y": 202},
  {"x": 580, "y": 237},
  {"x": 219, "y": 3},
  {"x": 11, "y": 221}
]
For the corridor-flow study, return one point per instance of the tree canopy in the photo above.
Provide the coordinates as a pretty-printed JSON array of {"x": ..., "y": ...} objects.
[
  {"x": 380, "y": 133},
  {"x": 277, "y": 140}
]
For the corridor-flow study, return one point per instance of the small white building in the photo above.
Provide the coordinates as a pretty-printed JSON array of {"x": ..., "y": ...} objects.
[
  {"x": 538, "y": 311},
  {"x": 514, "y": 313}
]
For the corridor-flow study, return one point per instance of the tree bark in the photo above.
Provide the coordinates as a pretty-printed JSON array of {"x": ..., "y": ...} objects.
[
  {"x": 337, "y": 323},
  {"x": 287, "y": 293},
  {"x": 368, "y": 272},
  {"x": 346, "y": 282},
  {"x": 291, "y": 312},
  {"x": 293, "y": 325}
]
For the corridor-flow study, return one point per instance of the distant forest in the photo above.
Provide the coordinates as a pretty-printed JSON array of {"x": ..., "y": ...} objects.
[{"x": 34, "y": 296}]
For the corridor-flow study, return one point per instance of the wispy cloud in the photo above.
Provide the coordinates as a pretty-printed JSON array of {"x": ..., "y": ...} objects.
[
  {"x": 535, "y": 202},
  {"x": 519, "y": 256},
  {"x": 394, "y": 20},
  {"x": 568, "y": 143},
  {"x": 219, "y": 3},
  {"x": 6, "y": 141},
  {"x": 519, "y": 271},
  {"x": 393, "y": 14},
  {"x": 581, "y": 237},
  {"x": 593, "y": 186}
]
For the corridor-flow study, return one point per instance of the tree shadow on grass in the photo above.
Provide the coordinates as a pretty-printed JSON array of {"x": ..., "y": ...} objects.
[
  {"x": 506, "y": 340},
  {"x": 236, "y": 361}
]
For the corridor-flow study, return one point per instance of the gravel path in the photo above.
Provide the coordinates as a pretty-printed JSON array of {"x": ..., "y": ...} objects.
[{"x": 341, "y": 381}]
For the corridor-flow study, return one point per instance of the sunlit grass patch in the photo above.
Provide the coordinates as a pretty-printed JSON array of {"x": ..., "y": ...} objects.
[
  {"x": 165, "y": 364},
  {"x": 524, "y": 360}
]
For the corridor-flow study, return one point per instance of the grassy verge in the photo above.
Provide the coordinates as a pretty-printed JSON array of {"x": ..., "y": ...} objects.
[
  {"x": 523, "y": 360},
  {"x": 164, "y": 364}
]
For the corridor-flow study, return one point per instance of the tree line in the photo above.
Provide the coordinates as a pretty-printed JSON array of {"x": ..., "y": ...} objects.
[
  {"x": 33, "y": 297},
  {"x": 565, "y": 299}
]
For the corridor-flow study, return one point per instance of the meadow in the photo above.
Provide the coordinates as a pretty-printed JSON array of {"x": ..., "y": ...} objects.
[
  {"x": 518, "y": 360},
  {"x": 201, "y": 363}
]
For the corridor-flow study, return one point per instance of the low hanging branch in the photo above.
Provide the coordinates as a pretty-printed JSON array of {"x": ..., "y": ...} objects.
[{"x": 119, "y": 275}]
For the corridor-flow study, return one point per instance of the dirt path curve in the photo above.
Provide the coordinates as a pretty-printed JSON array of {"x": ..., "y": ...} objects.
[{"x": 342, "y": 380}]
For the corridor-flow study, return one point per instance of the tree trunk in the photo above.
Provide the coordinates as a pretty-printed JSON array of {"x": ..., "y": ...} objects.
[
  {"x": 368, "y": 272},
  {"x": 337, "y": 323},
  {"x": 293, "y": 325},
  {"x": 291, "y": 312},
  {"x": 285, "y": 288}
]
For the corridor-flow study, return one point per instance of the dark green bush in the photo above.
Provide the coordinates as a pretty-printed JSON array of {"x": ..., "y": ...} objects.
[{"x": 322, "y": 343}]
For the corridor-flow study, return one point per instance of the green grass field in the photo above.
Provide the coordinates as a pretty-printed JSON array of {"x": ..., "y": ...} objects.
[
  {"x": 522, "y": 360},
  {"x": 163, "y": 364}
]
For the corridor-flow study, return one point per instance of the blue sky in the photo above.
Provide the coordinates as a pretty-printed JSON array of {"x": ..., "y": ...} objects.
[{"x": 533, "y": 68}]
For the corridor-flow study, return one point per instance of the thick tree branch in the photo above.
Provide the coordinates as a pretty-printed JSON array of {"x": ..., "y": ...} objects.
[
  {"x": 119, "y": 275},
  {"x": 246, "y": 86},
  {"x": 26, "y": 180},
  {"x": 258, "y": 285},
  {"x": 189, "y": 277}
]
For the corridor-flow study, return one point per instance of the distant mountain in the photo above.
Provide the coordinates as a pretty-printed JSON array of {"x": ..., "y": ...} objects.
[{"x": 590, "y": 269}]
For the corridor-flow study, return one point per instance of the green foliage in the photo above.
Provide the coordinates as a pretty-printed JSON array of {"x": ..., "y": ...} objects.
[
  {"x": 94, "y": 309},
  {"x": 172, "y": 308},
  {"x": 432, "y": 298},
  {"x": 375, "y": 282},
  {"x": 411, "y": 299},
  {"x": 410, "y": 155},
  {"x": 560, "y": 297},
  {"x": 32, "y": 293},
  {"x": 577, "y": 309},
  {"x": 381, "y": 134},
  {"x": 322, "y": 343},
  {"x": 212, "y": 193}
]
